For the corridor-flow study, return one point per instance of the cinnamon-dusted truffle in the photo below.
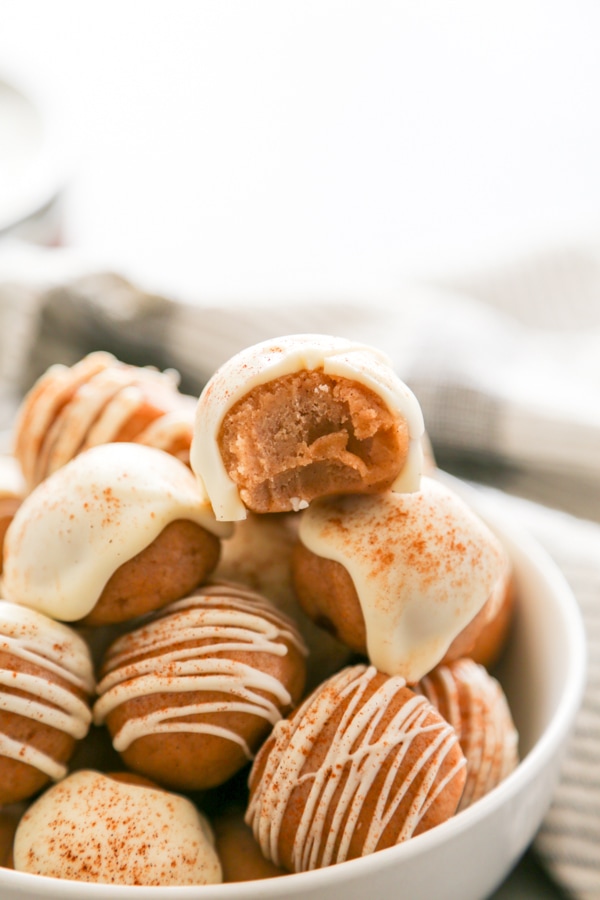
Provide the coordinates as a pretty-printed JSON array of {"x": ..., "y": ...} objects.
[
  {"x": 300, "y": 417},
  {"x": 475, "y": 705},
  {"x": 363, "y": 764},
  {"x": 259, "y": 555},
  {"x": 97, "y": 401},
  {"x": 95, "y": 828},
  {"x": 12, "y": 491},
  {"x": 46, "y": 679},
  {"x": 189, "y": 696},
  {"x": 397, "y": 576},
  {"x": 120, "y": 530}
]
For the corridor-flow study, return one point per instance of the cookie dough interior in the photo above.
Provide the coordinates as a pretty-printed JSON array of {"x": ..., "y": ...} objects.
[{"x": 309, "y": 434}]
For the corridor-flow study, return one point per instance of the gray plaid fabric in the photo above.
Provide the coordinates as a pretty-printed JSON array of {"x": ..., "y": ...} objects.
[{"x": 506, "y": 365}]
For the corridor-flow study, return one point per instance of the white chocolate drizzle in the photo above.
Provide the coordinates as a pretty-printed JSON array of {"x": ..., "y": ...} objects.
[
  {"x": 29, "y": 636},
  {"x": 92, "y": 515},
  {"x": 218, "y": 619},
  {"x": 269, "y": 360},
  {"x": 359, "y": 755},
  {"x": 171, "y": 429},
  {"x": 73, "y": 408},
  {"x": 47, "y": 396},
  {"x": 475, "y": 705},
  {"x": 422, "y": 564}
]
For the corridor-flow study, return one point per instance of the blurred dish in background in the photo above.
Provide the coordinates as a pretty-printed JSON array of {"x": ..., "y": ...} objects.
[{"x": 32, "y": 166}]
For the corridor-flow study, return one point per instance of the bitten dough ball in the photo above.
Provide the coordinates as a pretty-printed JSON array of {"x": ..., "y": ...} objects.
[
  {"x": 46, "y": 680},
  {"x": 93, "y": 827},
  {"x": 189, "y": 696},
  {"x": 363, "y": 764},
  {"x": 398, "y": 577},
  {"x": 300, "y": 417},
  {"x": 119, "y": 531},
  {"x": 97, "y": 401}
]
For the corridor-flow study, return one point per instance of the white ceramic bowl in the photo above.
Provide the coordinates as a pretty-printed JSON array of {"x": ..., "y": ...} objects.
[
  {"x": 467, "y": 857},
  {"x": 34, "y": 162}
]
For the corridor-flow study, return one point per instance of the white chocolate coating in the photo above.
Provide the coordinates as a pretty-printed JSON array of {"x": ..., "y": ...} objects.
[
  {"x": 91, "y": 827},
  {"x": 225, "y": 618},
  {"x": 423, "y": 564},
  {"x": 35, "y": 639},
  {"x": 352, "y": 748},
  {"x": 269, "y": 360},
  {"x": 91, "y": 516}
]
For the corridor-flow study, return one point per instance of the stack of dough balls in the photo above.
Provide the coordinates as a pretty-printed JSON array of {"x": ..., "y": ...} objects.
[{"x": 281, "y": 628}]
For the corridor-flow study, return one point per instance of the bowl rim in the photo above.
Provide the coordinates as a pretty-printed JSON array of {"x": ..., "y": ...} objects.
[
  {"x": 48, "y": 175},
  {"x": 524, "y": 549}
]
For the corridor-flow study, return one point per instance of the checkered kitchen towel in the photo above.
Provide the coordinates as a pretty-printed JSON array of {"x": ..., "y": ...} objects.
[{"x": 506, "y": 365}]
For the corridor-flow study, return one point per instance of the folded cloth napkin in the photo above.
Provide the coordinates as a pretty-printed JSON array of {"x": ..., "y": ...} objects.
[{"x": 506, "y": 365}]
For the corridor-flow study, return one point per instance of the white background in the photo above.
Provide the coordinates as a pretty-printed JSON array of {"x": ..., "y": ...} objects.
[{"x": 274, "y": 148}]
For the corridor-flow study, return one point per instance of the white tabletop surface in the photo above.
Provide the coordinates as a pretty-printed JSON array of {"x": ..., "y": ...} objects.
[{"x": 243, "y": 150}]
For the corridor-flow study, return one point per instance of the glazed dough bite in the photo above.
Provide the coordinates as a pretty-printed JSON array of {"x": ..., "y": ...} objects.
[
  {"x": 397, "y": 577},
  {"x": 12, "y": 491},
  {"x": 96, "y": 828},
  {"x": 96, "y": 401},
  {"x": 363, "y": 764},
  {"x": 475, "y": 705},
  {"x": 189, "y": 696},
  {"x": 259, "y": 555},
  {"x": 300, "y": 417},
  {"x": 120, "y": 530},
  {"x": 46, "y": 680}
]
